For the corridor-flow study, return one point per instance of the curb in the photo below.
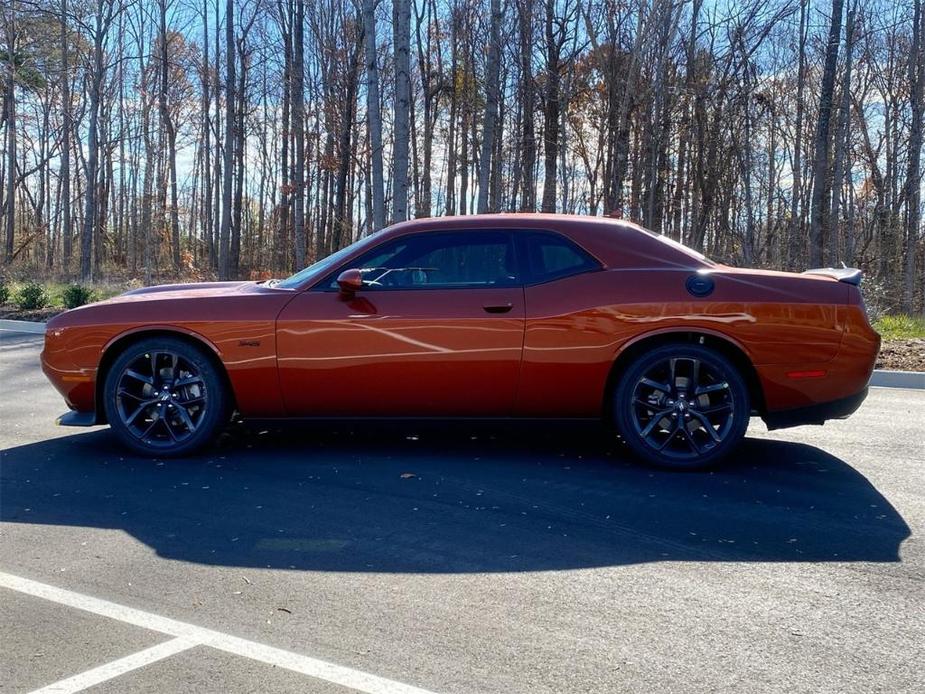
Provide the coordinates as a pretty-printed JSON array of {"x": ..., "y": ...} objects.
[
  {"x": 898, "y": 379},
  {"x": 881, "y": 378},
  {"x": 22, "y": 326}
]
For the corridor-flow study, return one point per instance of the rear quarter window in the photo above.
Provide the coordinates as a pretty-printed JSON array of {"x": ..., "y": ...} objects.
[{"x": 548, "y": 256}]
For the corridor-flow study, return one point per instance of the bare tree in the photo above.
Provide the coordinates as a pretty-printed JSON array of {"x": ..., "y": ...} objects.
[
  {"x": 373, "y": 114},
  {"x": 103, "y": 14},
  {"x": 748, "y": 130},
  {"x": 492, "y": 90},
  {"x": 914, "y": 173},
  {"x": 9, "y": 116},
  {"x": 298, "y": 126},
  {"x": 224, "y": 251},
  {"x": 822, "y": 144},
  {"x": 401, "y": 22}
]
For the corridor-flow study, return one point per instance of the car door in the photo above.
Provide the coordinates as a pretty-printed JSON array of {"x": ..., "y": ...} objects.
[
  {"x": 571, "y": 328},
  {"x": 436, "y": 330}
]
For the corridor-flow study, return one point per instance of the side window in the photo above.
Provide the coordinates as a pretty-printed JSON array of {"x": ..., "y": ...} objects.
[
  {"x": 551, "y": 257},
  {"x": 433, "y": 260}
]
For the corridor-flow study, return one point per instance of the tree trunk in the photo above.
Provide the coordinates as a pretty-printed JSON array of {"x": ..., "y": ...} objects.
[
  {"x": 298, "y": 126},
  {"x": 914, "y": 173},
  {"x": 344, "y": 137},
  {"x": 224, "y": 253},
  {"x": 206, "y": 151},
  {"x": 527, "y": 160},
  {"x": 551, "y": 112},
  {"x": 822, "y": 146},
  {"x": 797, "y": 165},
  {"x": 842, "y": 135},
  {"x": 401, "y": 19},
  {"x": 168, "y": 132},
  {"x": 66, "y": 127},
  {"x": 95, "y": 87},
  {"x": 374, "y": 116},
  {"x": 10, "y": 117},
  {"x": 492, "y": 89}
]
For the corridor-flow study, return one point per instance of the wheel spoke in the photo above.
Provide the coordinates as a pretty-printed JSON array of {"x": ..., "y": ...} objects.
[
  {"x": 192, "y": 401},
  {"x": 131, "y": 373},
  {"x": 141, "y": 408},
  {"x": 695, "y": 376},
  {"x": 713, "y": 409},
  {"x": 665, "y": 388},
  {"x": 707, "y": 425},
  {"x": 712, "y": 388},
  {"x": 656, "y": 418},
  {"x": 169, "y": 428},
  {"x": 187, "y": 420},
  {"x": 690, "y": 439},
  {"x": 147, "y": 431},
  {"x": 670, "y": 437},
  {"x": 188, "y": 381}
]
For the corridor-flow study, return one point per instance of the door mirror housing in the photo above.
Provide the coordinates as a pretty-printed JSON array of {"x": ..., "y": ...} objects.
[{"x": 350, "y": 281}]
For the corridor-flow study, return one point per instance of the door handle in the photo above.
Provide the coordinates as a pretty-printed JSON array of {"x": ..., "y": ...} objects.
[{"x": 498, "y": 308}]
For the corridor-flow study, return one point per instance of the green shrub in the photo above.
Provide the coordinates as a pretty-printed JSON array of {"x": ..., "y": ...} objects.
[
  {"x": 32, "y": 296},
  {"x": 900, "y": 327},
  {"x": 4, "y": 293},
  {"x": 76, "y": 295}
]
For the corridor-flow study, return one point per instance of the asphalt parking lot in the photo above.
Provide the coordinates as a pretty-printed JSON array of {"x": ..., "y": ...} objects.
[{"x": 402, "y": 558}]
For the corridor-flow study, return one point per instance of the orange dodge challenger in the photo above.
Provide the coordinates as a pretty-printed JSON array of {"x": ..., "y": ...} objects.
[{"x": 493, "y": 316}]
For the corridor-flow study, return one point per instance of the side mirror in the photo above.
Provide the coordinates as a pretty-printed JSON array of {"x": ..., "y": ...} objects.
[{"x": 350, "y": 281}]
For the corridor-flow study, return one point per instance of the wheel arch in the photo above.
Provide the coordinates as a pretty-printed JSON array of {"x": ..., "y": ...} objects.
[
  {"x": 121, "y": 342},
  {"x": 725, "y": 345}
]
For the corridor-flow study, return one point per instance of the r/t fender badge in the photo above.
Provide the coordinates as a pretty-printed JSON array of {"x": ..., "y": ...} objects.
[{"x": 248, "y": 343}]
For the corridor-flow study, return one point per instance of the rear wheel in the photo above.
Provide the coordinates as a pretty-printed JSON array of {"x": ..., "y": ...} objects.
[
  {"x": 164, "y": 397},
  {"x": 682, "y": 406}
]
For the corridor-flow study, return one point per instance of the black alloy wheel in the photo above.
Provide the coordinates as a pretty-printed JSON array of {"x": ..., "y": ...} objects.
[
  {"x": 164, "y": 396},
  {"x": 682, "y": 406}
]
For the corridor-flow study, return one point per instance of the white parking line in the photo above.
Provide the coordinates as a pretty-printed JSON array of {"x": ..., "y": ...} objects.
[
  {"x": 91, "y": 678},
  {"x": 196, "y": 635}
]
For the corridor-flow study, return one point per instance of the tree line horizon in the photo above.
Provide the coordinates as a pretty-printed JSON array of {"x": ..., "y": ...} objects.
[{"x": 191, "y": 139}]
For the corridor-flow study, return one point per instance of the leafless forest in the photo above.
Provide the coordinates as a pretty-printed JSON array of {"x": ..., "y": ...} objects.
[{"x": 155, "y": 139}]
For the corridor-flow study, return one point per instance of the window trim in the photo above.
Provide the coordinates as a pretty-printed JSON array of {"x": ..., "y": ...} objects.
[{"x": 322, "y": 284}]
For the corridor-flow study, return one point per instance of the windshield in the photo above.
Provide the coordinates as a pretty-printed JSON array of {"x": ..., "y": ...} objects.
[{"x": 320, "y": 267}]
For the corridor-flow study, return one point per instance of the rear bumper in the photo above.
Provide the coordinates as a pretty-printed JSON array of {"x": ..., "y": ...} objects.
[{"x": 815, "y": 414}]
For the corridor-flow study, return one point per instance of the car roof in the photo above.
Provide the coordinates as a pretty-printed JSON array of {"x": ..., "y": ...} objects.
[
  {"x": 616, "y": 242},
  {"x": 525, "y": 220}
]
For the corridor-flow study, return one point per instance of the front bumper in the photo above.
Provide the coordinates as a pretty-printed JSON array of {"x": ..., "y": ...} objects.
[
  {"x": 815, "y": 414},
  {"x": 76, "y": 419}
]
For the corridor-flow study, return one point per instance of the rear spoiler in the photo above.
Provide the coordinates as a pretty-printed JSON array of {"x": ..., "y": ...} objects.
[{"x": 848, "y": 275}]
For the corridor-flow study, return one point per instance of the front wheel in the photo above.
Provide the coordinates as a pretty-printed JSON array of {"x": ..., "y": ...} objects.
[
  {"x": 682, "y": 406},
  {"x": 164, "y": 397}
]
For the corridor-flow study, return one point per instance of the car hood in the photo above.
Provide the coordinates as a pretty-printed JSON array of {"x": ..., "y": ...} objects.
[
  {"x": 181, "y": 291},
  {"x": 120, "y": 307}
]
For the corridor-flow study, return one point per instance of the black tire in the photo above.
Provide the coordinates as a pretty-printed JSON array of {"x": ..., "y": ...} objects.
[
  {"x": 681, "y": 406},
  {"x": 164, "y": 397}
]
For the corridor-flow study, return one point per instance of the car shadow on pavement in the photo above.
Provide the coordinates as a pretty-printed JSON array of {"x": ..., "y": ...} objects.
[{"x": 430, "y": 499}]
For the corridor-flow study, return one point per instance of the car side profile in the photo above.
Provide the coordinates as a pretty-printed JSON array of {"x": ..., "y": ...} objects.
[{"x": 491, "y": 316}]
